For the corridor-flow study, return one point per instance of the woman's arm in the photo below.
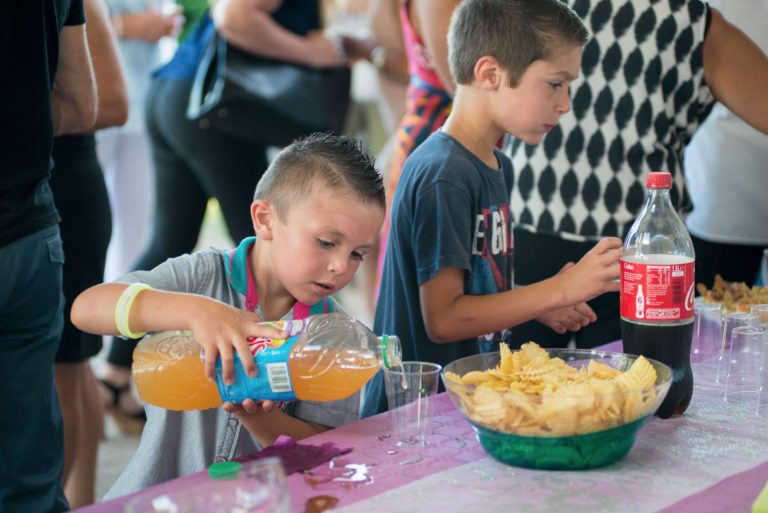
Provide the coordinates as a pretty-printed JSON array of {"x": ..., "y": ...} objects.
[
  {"x": 112, "y": 106},
  {"x": 73, "y": 98},
  {"x": 736, "y": 71},
  {"x": 430, "y": 19},
  {"x": 248, "y": 24},
  {"x": 150, "y": 25}
]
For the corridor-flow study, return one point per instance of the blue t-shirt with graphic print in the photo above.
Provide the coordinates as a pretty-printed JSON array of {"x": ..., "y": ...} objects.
[{"x": 450, "y": 210}]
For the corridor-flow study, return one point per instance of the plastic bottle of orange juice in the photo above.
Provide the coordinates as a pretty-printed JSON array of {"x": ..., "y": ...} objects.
[{"x": 326, "y": 358}]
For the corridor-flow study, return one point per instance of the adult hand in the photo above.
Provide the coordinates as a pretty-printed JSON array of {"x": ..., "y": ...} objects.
[
  {"x": 358, "y": 48},
  {"x": 327, "y": 51},
  {"x": 154, "y": 23}
]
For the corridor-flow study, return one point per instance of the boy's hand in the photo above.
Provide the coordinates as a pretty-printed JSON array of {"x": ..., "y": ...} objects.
[
  {"x": 596, "y": 273},
  {"x": 570, "y": 318},
  {"x": 219, "y": 328}
]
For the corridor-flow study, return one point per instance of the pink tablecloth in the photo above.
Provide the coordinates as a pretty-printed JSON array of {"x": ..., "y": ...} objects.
[{"x": 713, "y": 459}]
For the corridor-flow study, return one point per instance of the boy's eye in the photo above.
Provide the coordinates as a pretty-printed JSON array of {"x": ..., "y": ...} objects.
[
  {"x": 555, "y": 85},
  {"x": 325, "y": 244},
  {"x": 357, "y": 256}
]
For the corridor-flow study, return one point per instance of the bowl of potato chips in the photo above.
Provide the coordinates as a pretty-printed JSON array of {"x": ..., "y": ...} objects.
[{"x": 556, "y": 409}]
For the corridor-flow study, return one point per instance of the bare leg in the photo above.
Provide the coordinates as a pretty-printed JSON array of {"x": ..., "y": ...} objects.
[
  {"x": 71, "y": 411},
  {"x": 80, "y": 488}
]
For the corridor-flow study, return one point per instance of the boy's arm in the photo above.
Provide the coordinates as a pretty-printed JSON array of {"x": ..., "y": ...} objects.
[
  {"x": 450, "y": 315},
  {"x": 266, "y": 426},
  {"x": 736, "y": 71},
  {"x": 217, "y": 326}
]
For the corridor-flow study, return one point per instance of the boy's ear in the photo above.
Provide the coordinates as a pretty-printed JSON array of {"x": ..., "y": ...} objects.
[
  {"x": 262, "y": 217},
  {"x": 488, "y": 73}
]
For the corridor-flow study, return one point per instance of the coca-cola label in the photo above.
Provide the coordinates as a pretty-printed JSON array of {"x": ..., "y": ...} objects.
[{"x": 657, "y": 292}]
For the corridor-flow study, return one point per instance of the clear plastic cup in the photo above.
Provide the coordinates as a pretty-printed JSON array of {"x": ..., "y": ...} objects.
[
  {"x": 730, "y": 321},
  {"x": 761, "y": 311},
  {"x": 744, "y": 363},
  {"x": 707, "y": 326},
  {"x": 409, "y": 396},
  {"x": 762, "y": 385},
  {"x": 257, "y": 485}
]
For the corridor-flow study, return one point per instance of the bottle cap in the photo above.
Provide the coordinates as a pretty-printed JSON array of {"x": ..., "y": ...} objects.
[
  {"x": 224, "y": 470},
  {"x": 659, "y": 180},
  {"x": 391, "y": 351}
]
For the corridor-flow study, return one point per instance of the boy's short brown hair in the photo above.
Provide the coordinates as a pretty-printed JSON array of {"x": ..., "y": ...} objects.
[
  {"x": 320, "y": 159},
  {"x": 514, "y": 32}
]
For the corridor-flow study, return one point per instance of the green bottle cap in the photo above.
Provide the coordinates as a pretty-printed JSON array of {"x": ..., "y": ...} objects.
[
  {"x": 224, "y": 470},
  {"x": 384, "y": 351}
]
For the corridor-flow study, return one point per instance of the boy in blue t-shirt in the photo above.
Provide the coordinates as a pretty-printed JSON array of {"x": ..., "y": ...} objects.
[{"x": 447, "y": 288}]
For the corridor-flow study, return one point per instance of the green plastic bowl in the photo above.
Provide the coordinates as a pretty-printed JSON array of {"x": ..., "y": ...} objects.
[{"x": 574, "y": 452}]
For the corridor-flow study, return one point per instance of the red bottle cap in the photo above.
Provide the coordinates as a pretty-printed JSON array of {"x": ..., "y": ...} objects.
[{"x": 659, "y": 180}]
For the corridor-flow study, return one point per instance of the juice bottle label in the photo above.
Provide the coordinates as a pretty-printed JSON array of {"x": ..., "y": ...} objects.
[
  {"x": 273, "y": 380},
  {"x": 657, "y": 292}
]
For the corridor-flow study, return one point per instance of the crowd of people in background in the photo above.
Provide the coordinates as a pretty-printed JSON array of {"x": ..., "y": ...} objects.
[{"x": 544, "y": 114}]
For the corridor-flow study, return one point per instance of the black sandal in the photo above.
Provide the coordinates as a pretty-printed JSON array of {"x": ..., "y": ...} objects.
[{"x": 128, "y": 423}]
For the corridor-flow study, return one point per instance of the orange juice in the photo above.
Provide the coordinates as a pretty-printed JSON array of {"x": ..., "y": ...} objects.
[
  {"x": 170, "y": 374},
  {"x": 335, "y": 378}
]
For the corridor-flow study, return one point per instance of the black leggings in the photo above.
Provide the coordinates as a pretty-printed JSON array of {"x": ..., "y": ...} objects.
[
  {"x": 86, "y": 225},
  {"x": 192, "y": 164}
]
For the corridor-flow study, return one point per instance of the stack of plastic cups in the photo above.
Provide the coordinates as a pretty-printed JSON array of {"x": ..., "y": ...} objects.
[
  {"x": 762, "y": 384},
  {"x": 707, "y": 327},
  {"x": 761, "y": 311},
  {"x": 744, "y": 364},
  {"x": 730, "y": 321}
]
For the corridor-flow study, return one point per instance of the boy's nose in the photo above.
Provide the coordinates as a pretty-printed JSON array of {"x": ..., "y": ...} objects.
[
  {"x": 337, "y": 265},
  {"x": 564, "y": 105}
]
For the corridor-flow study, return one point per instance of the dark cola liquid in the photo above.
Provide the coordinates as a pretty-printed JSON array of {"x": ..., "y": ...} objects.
[{"x": 670, "y": 345}]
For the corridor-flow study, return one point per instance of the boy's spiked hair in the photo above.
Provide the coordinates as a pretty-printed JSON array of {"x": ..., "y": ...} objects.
[
  {"x": 514, "y": 32},
  {"x": 320, "y": 159}
]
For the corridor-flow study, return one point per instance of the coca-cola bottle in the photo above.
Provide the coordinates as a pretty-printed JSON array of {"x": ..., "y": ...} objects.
[{"x": 657, "y": 279}]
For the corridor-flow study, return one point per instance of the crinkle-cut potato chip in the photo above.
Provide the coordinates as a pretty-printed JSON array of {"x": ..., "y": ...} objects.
[
  {"x": 601, "y": 370},
  {"x": 452, "y": 376},
  {"x": 507, "y": 364},
  {"x": 475, "y": 378},
  {"x": 530, "y": 394}
]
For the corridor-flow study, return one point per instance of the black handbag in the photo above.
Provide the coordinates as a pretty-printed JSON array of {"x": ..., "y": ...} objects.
[{"x": 266, "y": 101}]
